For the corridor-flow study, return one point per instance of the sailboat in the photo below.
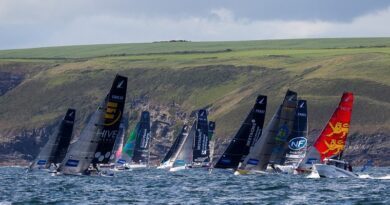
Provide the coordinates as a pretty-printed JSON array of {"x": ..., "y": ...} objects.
[
  {"x": 97, "y": 139},
  {"x": 325, "y": 156},
  {"x": 296, "y": 145},
  {"x": 194, "y": 151},
  {"x": 136, "y": 150},
  {"x": 248, "y": 134},
  {"x": 55, "y": 149},
  {"x": 168, "y": 160},
  {"x": 275, "y": 136}
]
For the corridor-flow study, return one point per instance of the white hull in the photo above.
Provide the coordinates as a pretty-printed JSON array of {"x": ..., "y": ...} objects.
[
  {"x": 165, "y": 166},
  {"x": 175, "y": 169},
  {"x": 245, "y": 172},
  {"x": 330, "y": 171},
  {"x": 137, "y": 166}
]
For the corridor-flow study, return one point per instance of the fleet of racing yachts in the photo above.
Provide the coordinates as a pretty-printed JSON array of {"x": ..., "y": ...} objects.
[{"x": 281, "y": 146}]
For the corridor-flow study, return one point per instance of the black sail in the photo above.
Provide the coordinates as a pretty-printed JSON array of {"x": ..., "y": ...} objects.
[
  {"x": 142, "y": 144},
  {"x": 109, "y": 130},
  {"x": 55, "y": 149},
  {"x": 248, "y": 134},
  {"x": 176, "y": 144},
  {"x": 64, "y": 136},
  {"x": 297, "y": 142},
  {"x": 201, "y": 150}
]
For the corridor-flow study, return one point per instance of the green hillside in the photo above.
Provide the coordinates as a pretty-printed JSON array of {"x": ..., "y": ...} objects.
[{"x": 224, "y": 75}]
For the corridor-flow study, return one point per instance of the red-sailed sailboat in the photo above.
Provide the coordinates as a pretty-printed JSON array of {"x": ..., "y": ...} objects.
[{"x": 324, "y": 157}]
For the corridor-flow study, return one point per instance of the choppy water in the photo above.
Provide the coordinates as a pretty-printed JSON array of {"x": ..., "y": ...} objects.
[{"x": 190, "y": 187}]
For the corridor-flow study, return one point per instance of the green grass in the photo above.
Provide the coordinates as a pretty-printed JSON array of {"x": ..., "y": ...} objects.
[{"x": 318, "y": 69}]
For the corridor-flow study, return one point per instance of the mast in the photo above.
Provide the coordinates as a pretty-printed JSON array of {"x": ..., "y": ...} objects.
[
  {"x": 142, "y": 144},
  {"x": 97, "y": 139},
  {"x": 55, "y": 149},
  {"x": 201, "y": 149},
  {"x": 331, "y": 141},
  {"x": 248, "y": 134},
  {"x": 277, "y": 130}
]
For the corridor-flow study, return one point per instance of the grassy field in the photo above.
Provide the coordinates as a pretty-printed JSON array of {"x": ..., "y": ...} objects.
[{"x": 225, "y": 75}]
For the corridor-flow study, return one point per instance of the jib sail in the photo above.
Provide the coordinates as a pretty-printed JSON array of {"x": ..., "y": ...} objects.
[{"x": 248, "y": 134}]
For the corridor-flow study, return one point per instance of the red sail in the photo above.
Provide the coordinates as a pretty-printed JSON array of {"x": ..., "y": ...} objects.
[{"x": 332, "y": 139}]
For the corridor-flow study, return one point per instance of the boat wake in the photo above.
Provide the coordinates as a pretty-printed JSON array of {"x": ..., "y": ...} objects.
[{"x": 367, "y": 176}]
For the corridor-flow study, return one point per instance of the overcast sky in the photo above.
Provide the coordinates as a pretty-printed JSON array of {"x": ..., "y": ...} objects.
[{"x": 38, "y": 23}]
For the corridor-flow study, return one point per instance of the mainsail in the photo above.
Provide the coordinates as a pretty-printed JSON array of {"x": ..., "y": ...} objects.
[
  {"x": 248, "y": 134},
  {"x": 97, "y": 139},
  {"x": 176, "y": 145},
  {"x": 201, "y": 150},
  {"x": 55, "y": 149},
  {"x": 297, "y": 142},
  {"x": 332, "y": 139},
  {"x": 277, "y": 132},
  {"x": 142, "y": 144}
]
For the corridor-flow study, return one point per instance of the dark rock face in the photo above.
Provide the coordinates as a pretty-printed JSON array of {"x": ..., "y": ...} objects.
[{"x": 8, "y": 81}]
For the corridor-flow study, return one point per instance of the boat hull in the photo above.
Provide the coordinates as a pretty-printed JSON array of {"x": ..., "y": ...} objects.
[
  {"x": 330, "y": 171},
  {"x": 175, "y": 169}
]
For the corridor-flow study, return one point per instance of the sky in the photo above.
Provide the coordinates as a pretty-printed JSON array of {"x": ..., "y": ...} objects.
[{"x": 41, "y": 23}]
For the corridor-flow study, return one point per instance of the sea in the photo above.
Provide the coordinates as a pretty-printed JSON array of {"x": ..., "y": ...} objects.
[{"x": 155, "y": 186}]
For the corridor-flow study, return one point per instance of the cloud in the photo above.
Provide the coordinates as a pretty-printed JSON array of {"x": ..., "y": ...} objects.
[{"x": 86, "y": 26}]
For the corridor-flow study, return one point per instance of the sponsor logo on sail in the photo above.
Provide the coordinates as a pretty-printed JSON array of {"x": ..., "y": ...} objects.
[
  {"x": 112, "y": 115},
  {"x": 297, "y": 143},
  {"x": 120, "y": 84},
  {"x": 338, "y": 128},
  {"x": 41, "y": 162},
  {"x": 72, "y": 163},
  {"x": 253, "y": 161},
  {"x": 335, "y": 146}
]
